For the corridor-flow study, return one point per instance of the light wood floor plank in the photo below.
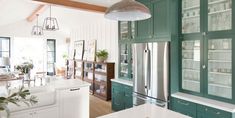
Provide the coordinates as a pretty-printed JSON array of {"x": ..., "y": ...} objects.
[{"x": 99, "y": 107}]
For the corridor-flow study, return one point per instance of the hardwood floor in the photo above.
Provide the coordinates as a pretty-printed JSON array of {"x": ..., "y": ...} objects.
[{"x": 99, "y": 107}]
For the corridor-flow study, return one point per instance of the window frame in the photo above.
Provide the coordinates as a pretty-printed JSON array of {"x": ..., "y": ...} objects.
[
  {"x": 48, "y": 63},
  {"x": 9, "y": 52}
]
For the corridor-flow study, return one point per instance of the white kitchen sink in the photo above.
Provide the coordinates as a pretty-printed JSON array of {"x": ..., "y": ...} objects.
[{"x": 45, "y": 96}]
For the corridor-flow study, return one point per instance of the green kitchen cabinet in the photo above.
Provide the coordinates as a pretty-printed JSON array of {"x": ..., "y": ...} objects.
[
  {"x": 207, "y": 16},
  {"x": 161, "y": 20},
  {"x": 208, "y": 112},
  {"x": 207, "y": 67},
  {"x": 156, "y": 28},
  {"x": 125, "y": 61},
  {"x": 207, "y": 36},
  {"x": 126, "y": 31},
  {"x": 121, "y": 96},
  {"x": 195, "y": 110},
  {"x": 144, "y": 28},
  {"x": 184, "y": 107}
]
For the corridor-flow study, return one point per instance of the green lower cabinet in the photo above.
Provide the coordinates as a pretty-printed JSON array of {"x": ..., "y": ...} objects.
[
  {"x": 197, "y": 111},
  {"x": 184, "y": 107},
  {"x": 121, "y": 96},
  {"x": 208, "y": 112}
]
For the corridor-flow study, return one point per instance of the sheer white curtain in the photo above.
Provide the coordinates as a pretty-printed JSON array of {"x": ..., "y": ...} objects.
[{"x": 25, "y": 49}]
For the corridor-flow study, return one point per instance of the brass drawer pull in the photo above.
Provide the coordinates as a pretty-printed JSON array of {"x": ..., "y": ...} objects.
[{"x": 186, "y": 104}]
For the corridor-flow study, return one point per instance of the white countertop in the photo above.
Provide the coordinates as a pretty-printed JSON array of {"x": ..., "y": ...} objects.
[
  {"x": 68, "y": 83},
  {"x": 122, "y": 81},
  {"x": 205, "y": 101},
  {"x": 45, "y": 93},
  {"x": 55, "y": 83},
  {"x": 145, "y": 111}
]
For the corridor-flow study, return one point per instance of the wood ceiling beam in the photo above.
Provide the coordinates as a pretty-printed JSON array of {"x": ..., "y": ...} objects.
[
  {"x": 38, "y": 10},
  {"x": 77, "y": 5}
]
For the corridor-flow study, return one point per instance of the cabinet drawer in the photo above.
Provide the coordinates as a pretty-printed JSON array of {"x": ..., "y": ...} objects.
[
  {"x": 184, "y": 107},
  {"x": 178, "y": 103},
  {"x": 216, "y": 113}
]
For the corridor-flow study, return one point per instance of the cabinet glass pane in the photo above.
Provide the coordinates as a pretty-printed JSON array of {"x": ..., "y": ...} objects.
[
  {"x": 190, "y": 16},
  {"x": 101, "y": 68},
  {"x": 219, "y": 15},
  {"x": 191, "y": 65},
  {"x": 123, "y": 30},
  {"x": 124, "y": 60},
  {"x": 132, "y": 29},
  {"x": 220, "y": 67}
]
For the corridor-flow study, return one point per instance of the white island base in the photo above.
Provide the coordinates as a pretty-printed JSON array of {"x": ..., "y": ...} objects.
[
  {"x": 59, "y": 98},
  {"x": 145, "y": 111}
]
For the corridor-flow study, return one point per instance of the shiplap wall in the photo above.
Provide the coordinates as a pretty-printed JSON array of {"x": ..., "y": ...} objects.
[{"x": 105, "y": 32}]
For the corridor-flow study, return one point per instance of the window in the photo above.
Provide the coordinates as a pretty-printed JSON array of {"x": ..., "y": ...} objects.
[
  {"x": 5, "y": 47},
  {"x": 51, "y": 56}
]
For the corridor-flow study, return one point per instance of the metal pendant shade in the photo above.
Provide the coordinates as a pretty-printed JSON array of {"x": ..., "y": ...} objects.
[
  {"x": 50, "y": 23},
  {"x": 37, "y": 30},
  {"x": 127, "y": 10}
]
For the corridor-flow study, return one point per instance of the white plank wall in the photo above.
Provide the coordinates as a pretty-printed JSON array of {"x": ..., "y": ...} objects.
[{"x": 106, "y": 34}]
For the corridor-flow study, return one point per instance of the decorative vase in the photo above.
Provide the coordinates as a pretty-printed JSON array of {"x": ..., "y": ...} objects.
[
  {"x": 102, "y": 59},
  {"x": 26, "y": 76}
]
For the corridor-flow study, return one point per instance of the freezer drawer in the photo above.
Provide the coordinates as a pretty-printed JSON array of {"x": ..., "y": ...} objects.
[{"x": 141, "y": 99}]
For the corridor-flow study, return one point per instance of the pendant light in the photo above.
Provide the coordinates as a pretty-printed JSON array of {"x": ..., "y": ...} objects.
[
  {"x": 37, "y": 30},
  {"x": 128, "y": 10},
  {"x": 50, "y": 23}
]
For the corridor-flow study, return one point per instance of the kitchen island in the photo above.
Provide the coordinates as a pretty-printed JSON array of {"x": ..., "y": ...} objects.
[
  {"x": 57, "y": 98},
  {"x": 145, "y": 111}
]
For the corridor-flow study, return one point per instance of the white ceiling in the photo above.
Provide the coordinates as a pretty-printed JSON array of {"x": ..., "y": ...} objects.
[
  {"x": 15, "y": 10},
  {"x": 12, "y": 11},
  {"x": 105, "y": 3}
]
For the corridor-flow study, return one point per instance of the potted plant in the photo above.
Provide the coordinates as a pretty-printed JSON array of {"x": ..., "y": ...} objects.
[
  {"x": 15, "y": 98},
  {"x": 25, "y": 68},
  {"x": 102, "y": 55}
]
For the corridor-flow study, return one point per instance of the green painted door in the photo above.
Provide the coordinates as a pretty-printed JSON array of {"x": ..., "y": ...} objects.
[
  {"x": 128, "y": 98},
  {"x": 144, "y": 28},
  {"x": 117, "y": 97},
  {"x": 160, "y": 18},
  {"x": 121, "y": 96}
]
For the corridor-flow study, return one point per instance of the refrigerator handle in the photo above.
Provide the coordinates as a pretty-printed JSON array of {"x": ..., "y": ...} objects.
[{"x": 147, "y": 66}]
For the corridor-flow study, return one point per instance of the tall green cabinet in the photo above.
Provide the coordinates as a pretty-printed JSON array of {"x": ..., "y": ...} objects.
[
  {"x": 206, "y": 48},
  {"x": 162, "y": 26},
  {"x": 207, "y": 35}
]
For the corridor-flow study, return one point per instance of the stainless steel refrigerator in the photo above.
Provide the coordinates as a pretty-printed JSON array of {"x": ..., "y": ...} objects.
[{"x": 150, "y": 73}]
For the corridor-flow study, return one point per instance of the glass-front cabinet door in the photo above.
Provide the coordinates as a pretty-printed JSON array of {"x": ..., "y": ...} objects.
[
  {"x": 190, "y": 16},
  {"x": 124, "y": 61},
  {"x": 219, "y": 15},
  {"x": 124, "y": 30},
  {"x": 191, "y": 65},
  {"x": 220, "y": 67}
]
